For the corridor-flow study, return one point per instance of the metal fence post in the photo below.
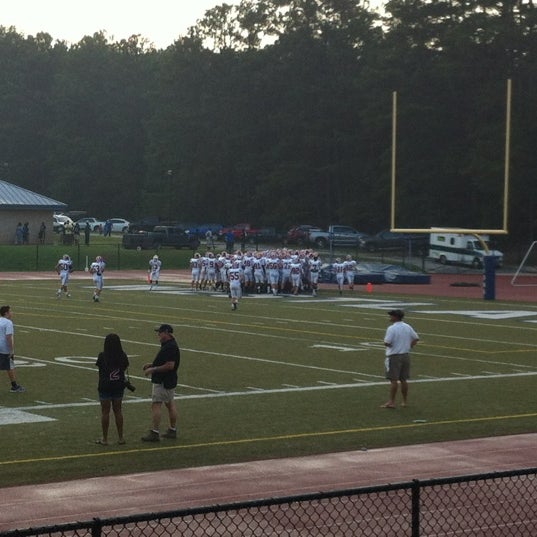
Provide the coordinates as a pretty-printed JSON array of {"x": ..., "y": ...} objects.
[
  {"x": 416, "y": 488},
  {"x": 96, "y": 528}
]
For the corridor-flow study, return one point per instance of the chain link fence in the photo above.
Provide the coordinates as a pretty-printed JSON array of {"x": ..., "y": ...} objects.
[{"x": 500, "y": 504}]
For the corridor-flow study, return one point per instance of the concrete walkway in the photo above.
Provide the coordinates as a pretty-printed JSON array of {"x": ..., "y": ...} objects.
[{"x": 84, "y": 499}]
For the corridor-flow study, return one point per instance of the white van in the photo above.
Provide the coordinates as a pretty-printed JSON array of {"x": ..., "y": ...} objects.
[{"x": 461, "y": 248}]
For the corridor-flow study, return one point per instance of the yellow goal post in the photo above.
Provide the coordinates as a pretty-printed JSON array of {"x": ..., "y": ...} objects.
[{"x": 470, "y": 231}]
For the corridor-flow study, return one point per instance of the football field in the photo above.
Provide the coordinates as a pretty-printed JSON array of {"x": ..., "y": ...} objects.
[{"x": 281, "y": 376}]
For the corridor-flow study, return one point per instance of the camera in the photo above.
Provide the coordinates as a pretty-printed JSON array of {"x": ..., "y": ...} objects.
[{"x": 129, "y": 386}]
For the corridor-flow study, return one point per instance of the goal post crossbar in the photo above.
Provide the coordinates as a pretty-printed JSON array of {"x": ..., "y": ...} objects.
[{"x": 465, "y": 231}]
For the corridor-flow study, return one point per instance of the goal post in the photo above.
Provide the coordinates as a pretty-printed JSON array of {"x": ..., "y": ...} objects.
[{"x": 506, "y": 179}]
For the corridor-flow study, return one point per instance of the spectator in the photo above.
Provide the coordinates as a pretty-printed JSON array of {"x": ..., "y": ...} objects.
[
  {"x": 399, "y": 339},
  {"x": 76, "y": 233},
  {"x": 112, "y": 363},
  {"x": 7, "y": 348},
  {"x": 18, "y": 233},
  {"x": 26, "y": 233},
  {"x": 42, "y": 233},
  {"x": 230, "y": 242},
  {"x": 163, "y": 373}
]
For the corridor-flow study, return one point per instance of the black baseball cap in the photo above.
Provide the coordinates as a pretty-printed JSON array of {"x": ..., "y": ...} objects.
[
  {"x": 396, "y": 313},
  {"x": 164, "y": 328}
]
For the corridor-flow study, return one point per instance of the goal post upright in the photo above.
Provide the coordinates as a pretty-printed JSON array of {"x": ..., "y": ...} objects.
[
  {"x": 489, "y": 261},
  {"x": 473, "y": 231}
]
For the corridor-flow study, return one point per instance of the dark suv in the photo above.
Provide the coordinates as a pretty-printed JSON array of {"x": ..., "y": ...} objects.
[{"x": 418, "y": 243}]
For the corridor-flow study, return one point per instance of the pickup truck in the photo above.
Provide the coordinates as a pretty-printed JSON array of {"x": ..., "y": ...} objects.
[
  {"x": 161, "y": 236},
  {"x": 390, "y": 240},
  {"x": 337, "y": 235}
]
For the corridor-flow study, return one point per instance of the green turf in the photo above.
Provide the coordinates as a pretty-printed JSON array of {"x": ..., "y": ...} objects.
[{"x": 279, "y": 377}]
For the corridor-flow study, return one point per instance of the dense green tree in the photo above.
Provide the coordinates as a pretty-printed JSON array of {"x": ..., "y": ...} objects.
[{"x": 280, "y": 111}]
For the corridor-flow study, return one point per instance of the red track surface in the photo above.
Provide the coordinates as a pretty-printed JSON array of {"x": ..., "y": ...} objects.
[{"x": 84, "y": 499}]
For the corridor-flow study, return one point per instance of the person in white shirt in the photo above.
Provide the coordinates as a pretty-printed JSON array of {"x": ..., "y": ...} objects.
[
  {"x": 7, "y": 348},
  {"x": 314, "y": 269},
  {"x": 96, "y": 270},
  {"x": 296, "y": 275},
  {"x": 64, "y": 267},
  {"x": 259, "y": 272},
  {"x": 236, "y": 277},
  {"x": 195, "y": 267},
  {"x": 350, "y": 269},
  {"x": 400, "y": 338},
  {"x": 155, "y": 264},
  {"x": 339, "y": 269}
]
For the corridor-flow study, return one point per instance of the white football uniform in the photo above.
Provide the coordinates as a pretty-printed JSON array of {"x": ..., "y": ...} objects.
[
  {"x": 154, "y": 266},
  {"x": 97, "y": 269}
]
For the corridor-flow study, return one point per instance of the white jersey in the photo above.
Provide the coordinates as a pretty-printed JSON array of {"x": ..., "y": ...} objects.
[
  {"x": 64, "y": 265},
  {"x": 155, "y": 266},
  {"x": 97, "y": 268},
  {"x": 235, "y": 276}
]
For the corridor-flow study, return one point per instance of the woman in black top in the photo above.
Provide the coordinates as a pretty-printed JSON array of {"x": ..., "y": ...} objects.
[{"x": 112, "y": 364}]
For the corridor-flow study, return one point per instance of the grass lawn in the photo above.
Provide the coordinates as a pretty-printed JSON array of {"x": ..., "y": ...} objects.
[{"x": 282, "y": 376}]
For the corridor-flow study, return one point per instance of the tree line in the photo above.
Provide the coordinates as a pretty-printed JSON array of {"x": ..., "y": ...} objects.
[{"x": 280, "y": 112}]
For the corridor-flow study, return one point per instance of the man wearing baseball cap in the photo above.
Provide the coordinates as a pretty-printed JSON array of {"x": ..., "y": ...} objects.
[
  {"x": 163, "y": 371},
  {"x": 399, "y": 339}
]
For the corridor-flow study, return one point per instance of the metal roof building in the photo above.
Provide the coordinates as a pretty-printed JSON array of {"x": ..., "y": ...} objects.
[
  {"x": 13, "y": 196},
  {"x": 21, "y": 206}
]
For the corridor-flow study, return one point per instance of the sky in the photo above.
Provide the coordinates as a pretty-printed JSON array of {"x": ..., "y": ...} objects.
[{"x": 160, "y": 21}]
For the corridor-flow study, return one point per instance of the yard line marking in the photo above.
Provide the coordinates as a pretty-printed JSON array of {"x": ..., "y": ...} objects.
[
  {"x": 271, "y": 391},
  {"x": 338, "y": 348}
]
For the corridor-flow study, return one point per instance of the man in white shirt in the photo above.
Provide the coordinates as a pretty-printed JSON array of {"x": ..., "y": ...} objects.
[
  {"x": 400, "y": 338},
  {"x": 7, "y": 348}
]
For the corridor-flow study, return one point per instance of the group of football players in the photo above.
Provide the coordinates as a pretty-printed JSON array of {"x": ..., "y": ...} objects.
[
  {"x": 64, "y": 268},
  {"x": 273, "y": 271}
]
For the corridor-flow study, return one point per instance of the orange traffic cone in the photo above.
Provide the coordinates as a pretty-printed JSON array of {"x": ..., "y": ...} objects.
[{"x": 369, "y": 287}]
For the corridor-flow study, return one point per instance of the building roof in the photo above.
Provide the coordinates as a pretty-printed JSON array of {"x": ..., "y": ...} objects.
[{"x": 16, "y": 197}]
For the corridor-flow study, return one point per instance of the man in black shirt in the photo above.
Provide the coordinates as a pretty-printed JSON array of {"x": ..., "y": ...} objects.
[{"x": 163, "y": 373}]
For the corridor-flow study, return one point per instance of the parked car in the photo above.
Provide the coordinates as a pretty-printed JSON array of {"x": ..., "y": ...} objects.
[
  {"x": 390, "y": 240},
  {"x": 60, "y": 221},
  {"x": 336, "y": 235},
  {"x": 173, "y": 236},
  {"x": 300, "y": 234},
  {"x": 119, "y": 225},
  {"x": 95, "y": 224},
  {"x": 238, "y": 230}
]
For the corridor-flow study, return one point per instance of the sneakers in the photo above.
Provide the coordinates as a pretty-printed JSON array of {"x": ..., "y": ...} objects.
[
  {"x": 170, "y": 433},
  {"x": 151, "y": 436},
  {"x": 234, "y": 306},
  {"x": 17, "y": 389}
]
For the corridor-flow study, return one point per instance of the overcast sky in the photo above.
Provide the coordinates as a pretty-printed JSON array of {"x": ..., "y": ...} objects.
[{"x": 160, "y": 21}]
